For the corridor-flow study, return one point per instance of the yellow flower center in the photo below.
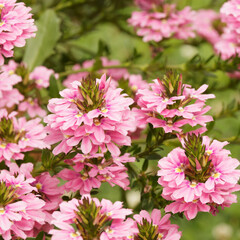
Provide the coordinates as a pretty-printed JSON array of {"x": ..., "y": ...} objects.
[
  {"x": 79, "y": 115},
  {"x": 109, "y": 213},
  {"x": 216, "y": 175},
  {"x": 76, "y": 234},
  {"x": 25, "y": 139},
  {"x": 2, "y": 210},
  {"x": 104, "y": 110},
  {"x": 11, "y": 72},
  {"x": 178, "y": 170},
  {"x": 209, "y": 152},
  {"x": 108, "y": 230},
  {"x": 3, "y": 145},
  {"x": 165, "y": 100},
  {"x": 181, "y": 109},
  {"x": 39, "y": 186},
  {"x": 2, "y": 5},
  {"x": 134, "y": 88},
  {"x": 160, "y": 236},
  {"x": 193, "y": 184},
  {"x": 39, "y": 81}
]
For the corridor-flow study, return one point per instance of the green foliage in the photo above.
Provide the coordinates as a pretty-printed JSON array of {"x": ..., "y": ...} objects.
[{"x": 42, "y": 46}]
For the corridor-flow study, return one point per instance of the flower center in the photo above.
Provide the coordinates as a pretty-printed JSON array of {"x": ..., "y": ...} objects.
[
  {"x": 165, "y": 100},
  {"x": 209, "y": 152},
  {"x": 181, "y": 109},
  {"x": 109, "y": 213},
  {"x": 2, "y": 210},
  {"x": 39, "y": 186},
  {"x": 79, "y": 115},
  {"x": 193, "y": 184},
  {"x": 216, "y": 175},
  {"x": 160, "y": 236},
  {"x": 76, "y": 234},
  {"x": 108, "y": 230},
  {"x": 178, "y": 170},
  {"x": 104, "y": 110},
  {"x": 3, "y": 145},
  {"x": 39, "y": 81}
]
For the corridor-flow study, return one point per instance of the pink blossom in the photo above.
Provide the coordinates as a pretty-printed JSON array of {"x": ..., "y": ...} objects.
[
  {"x": 156, "y": 106},
  {"x": 89, "y": 171},
  {"x": 192, "y": 191},
  {"x": 203, "y": 25},
  {"x": 91, "y": 123},
  {"x": 106, "y": 221},
  {"x": 16, "y": 26},
  {"x": 164, "y": 229},
  {"x": 41, "y": 76},
  {"x": 20, "y": 208},
  {"x": 19, "y": 136},
  {"x": 155, "y": 26}
]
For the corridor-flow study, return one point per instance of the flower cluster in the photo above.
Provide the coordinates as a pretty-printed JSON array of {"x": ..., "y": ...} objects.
[
  {"x": 171, "y": 105},
  {"x": 92, "y": 116},
  {"x": 90, "y": 219},
  {"x": 208, "y": 25},
  {"x": 90, "y": 171},
  {"x": 20, "y": 208},
  {"x": 156, "y": 26},
  {"x": 152, "y": 227},
  {"x": 115, "y": 73},
  {"x": 229, "y": 44},
  {"x": 17, "y": 135},
  {"x": 200, "y": 177},
  {"x": 25, "y": 92},
  {"x": 16, "y": 25}
]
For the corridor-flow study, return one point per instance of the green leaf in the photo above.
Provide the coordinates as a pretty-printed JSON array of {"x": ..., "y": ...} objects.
[
  {"x": 40, "y": 48},
  {"x": 145, "y": 165},
  {"x": 54, "y": 87}
]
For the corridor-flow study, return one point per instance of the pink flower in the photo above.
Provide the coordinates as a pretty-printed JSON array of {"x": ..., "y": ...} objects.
[
  {"x": 160, "y": 228},
  {"x": 20, "y": 209},
  {"x": 102, "y": 220},
  {"x": 32, "y": 108},
  {"x": 95, "y": 117},
  {"x": 195, "y": 182},
  {"x": 19, "y": 136},
  {"x": 41, "y": 76},
  {"x": 89, "y": 171},
  {"x": 16, "y": 26},
  {"x": 171, "y": 105},
  {"x": 155, "y": 26},
  {"x": 203, "y": 24}
]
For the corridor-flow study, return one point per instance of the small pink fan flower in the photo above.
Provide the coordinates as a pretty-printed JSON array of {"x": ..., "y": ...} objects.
[
  {"x": 91, "y": 115},
  {"x": 203, "y": 24},
  {"x": 32, "y": 107},
  {"x": 16, "y": 25},
  {"x": 102, "y": 220},
  {"x": 41, "y": 76},
  {"x": 90, "y": 171},
  {"x": 171, "y": 105},
  {"x": 19, "y": 136},
  {"x": 154, "y": 227},
  {"x": 20, "y": 209},
  {"x": 197, "y": 180},
  {"x": 155, "y": 26}
]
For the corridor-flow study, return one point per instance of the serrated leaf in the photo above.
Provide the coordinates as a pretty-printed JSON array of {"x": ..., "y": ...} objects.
[{"x": 40, "y": 48}]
